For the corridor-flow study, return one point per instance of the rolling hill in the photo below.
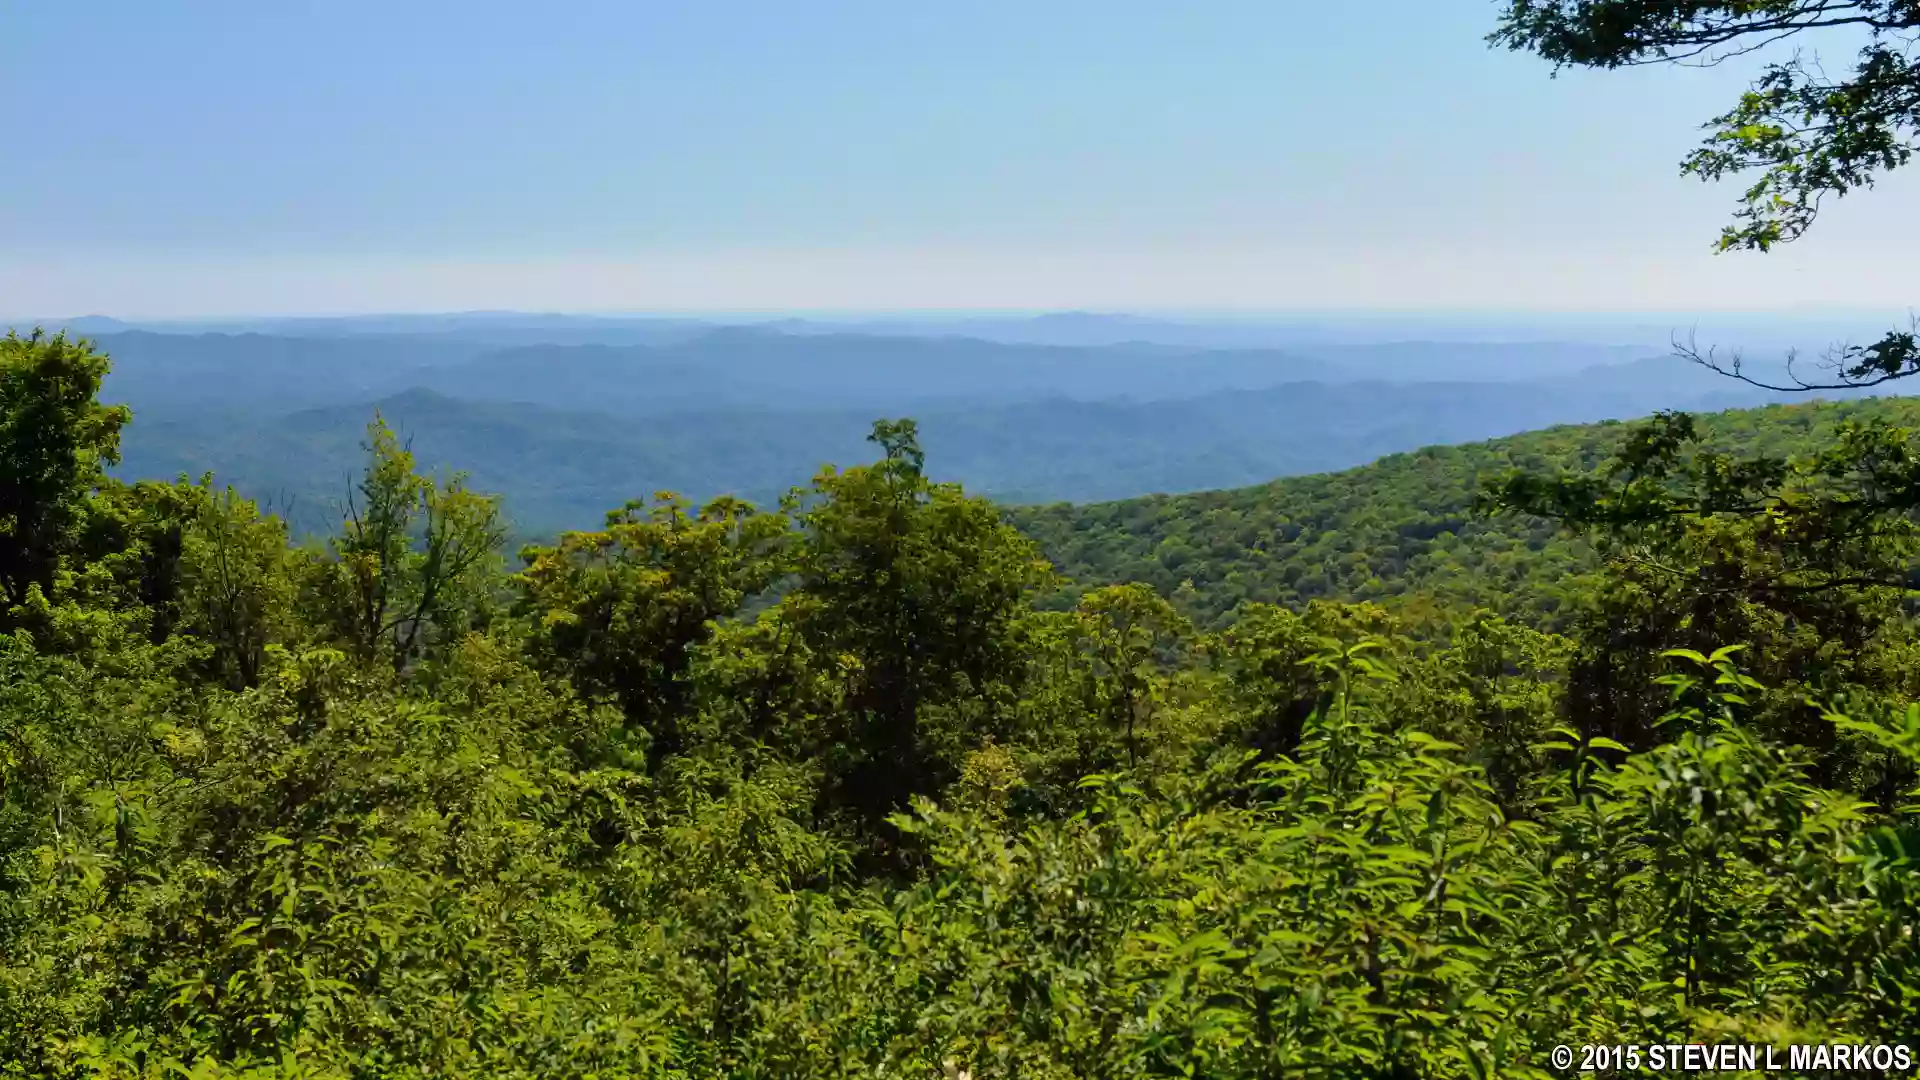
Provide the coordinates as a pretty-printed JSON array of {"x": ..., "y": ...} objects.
[
  {"x": 561, "y": 469},
  {"x": 1400, "y": 530}
]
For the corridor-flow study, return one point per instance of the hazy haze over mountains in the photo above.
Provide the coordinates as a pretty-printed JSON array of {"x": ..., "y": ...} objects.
[
  {"x": 1758, "y": 330},
  {"x": 569, "y": 416}
]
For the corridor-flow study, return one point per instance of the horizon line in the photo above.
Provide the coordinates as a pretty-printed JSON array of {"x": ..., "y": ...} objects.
[{"x": 803, "y": 313}]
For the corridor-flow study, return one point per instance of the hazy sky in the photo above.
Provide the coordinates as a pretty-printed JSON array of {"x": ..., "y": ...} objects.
[{"x": 240, "y": 158}]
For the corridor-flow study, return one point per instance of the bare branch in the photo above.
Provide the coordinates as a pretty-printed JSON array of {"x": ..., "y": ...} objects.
[
  {"x": 1860, "y": 367},
  {"x": 1688, "y": 44}
]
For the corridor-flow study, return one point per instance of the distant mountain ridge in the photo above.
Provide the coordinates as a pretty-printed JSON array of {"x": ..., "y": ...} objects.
[
  {"x": 745, "y": 366},
  {"x": 567, "y": 431},
  {"x": 1769, "y": 333},
  {"x": 742, "y": 366},
  {"x": 563, "y": 469}
]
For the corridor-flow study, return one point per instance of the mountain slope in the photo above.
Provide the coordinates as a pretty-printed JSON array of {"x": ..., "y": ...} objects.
[
  {"x": 1399, "y": 530},
  {"x": 556, "y": 469}
]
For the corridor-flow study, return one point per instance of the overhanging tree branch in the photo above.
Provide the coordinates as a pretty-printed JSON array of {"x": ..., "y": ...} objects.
[
  {"x": 1858, "y": 367},
  {"x": 1811, "y": 136}
]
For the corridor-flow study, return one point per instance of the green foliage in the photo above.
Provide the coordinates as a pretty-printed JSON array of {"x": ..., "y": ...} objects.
[
  {"x": 1407, "y": 531},
  {"x": 55, "y": 441},
  {"x": 913, "y": 588},
  {"x": 411, "y": 558},
  {"x": 622, "y": 611},
  {"x": 825, "y": 792},
  {"x": 1807, "y": 558},
  {"x": 237, "y": 584}
]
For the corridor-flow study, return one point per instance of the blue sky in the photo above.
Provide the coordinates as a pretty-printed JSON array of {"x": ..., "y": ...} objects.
[{"x": 201, "y": 158}]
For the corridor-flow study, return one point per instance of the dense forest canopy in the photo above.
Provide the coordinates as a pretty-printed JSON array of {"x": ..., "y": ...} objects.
[
  {"x": 854, "y": 783},
  {"x": 1404, "y": 531}
]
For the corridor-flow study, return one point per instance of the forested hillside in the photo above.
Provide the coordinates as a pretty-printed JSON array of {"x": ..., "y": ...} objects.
[{"x": 1402, "y": 531}]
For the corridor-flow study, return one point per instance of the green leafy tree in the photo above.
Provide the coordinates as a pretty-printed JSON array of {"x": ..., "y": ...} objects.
[
  {"x": 56, "y": 441},
  {"x": 914, "y": 589},
  {"x": 1510, "y": 684},
  {"x": 238, "y": 584},
  {"x": 413, "y": 557},
  {"x": 1807, "y": 558},
  {"x": 624, "y": 611},
  {"x": 1272, "y": 685},
  {"x": 1132, "y": 633}
]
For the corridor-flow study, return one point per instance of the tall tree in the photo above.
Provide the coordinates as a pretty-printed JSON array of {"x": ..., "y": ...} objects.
[
  {"x": 236, "y": 583},
  {"x": 56, "y": 441},
  {"x": 622, "y": 611},
  {"x": 1806, "y": 558},
  {"x": 1130, "y": 632},
  {"x": 410, "y": 554},
  {"x": 916, "y": 587}
]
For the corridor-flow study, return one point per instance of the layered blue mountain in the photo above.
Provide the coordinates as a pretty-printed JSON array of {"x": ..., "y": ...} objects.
[
  {"x": 568, "y": 417},
  {"x": 562, "y": 469}
]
